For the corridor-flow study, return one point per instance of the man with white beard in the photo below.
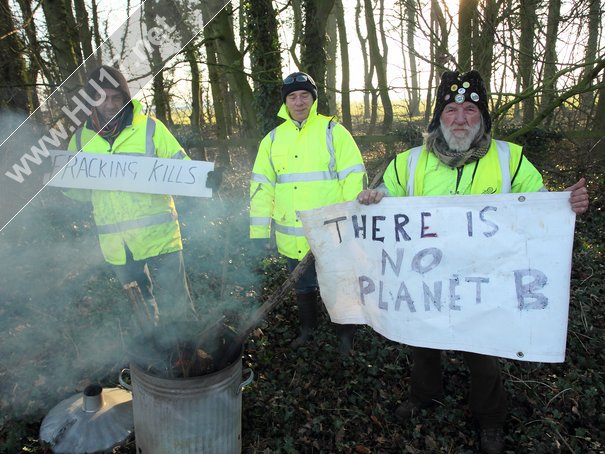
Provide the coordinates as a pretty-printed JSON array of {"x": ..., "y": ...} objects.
[{"x": 460, "y": 157}]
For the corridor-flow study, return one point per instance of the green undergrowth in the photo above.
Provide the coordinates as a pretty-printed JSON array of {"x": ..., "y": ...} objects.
[{"x": 64, "y": 321}]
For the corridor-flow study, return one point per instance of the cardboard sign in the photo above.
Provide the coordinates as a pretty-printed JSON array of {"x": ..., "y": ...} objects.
[
  {"x": 118, "y": 172},
  {"x": 487, "y": 273}
]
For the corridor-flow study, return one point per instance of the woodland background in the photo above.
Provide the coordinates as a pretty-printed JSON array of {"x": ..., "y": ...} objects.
[{"x": 63, "y": 317}]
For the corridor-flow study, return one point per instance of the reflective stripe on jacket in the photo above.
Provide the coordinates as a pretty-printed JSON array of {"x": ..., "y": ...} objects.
[
  {"x": 301, "y": 169},
  {"x": 144, "y": 223},
  {"x": 503, "y": 169}
]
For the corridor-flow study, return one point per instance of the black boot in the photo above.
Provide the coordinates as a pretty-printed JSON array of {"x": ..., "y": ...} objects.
[
  {"x": 345, "y": 334},
  {"x": 307, "y": 313}
]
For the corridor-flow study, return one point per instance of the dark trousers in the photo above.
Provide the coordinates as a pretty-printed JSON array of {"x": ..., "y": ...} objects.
[
  {"x": 487, "y": 398},
  {"x": 307, "y": 283},
  {"x": 163, "y": 281}
]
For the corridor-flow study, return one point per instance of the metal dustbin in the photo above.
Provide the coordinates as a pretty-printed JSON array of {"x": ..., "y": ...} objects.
[{"x": 193, "y": 415}]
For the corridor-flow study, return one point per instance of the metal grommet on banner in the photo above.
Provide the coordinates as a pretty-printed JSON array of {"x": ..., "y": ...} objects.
[
  {"x": 520, "y": 354},
  {"x": 521, "y": 198}
]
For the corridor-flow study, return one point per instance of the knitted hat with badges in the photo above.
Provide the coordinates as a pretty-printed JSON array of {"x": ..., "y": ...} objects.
[{"x": 460, "y": 87}]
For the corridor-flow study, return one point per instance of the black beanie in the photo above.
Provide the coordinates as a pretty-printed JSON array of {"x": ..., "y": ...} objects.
[
  {"x": 458, "y": 88},
  {"x": 106, "y": 77},
  {"x": 298, "y": 81}
]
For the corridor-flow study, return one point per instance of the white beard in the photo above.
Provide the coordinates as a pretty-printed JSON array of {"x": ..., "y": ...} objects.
[{"x": 460, "y": 143}]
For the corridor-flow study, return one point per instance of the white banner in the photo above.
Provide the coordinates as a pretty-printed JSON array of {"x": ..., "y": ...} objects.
[
  {"x": 115, "y": 172},
  {"x": 487, "y": 273}
]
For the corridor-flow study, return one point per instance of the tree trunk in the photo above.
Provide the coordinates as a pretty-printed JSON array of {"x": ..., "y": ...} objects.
[
  {"x": 160, "y": 96},
  {"x": 96, "y": 32},
  {"x": 368, "y": 71},
  {"x": 219, "y": 99},
  {"x": 383, "y": 36},
  {"x": 526, "y": 54},
  {"x": 373, "y": 111},
  {"x": 71, "y": 29},
  {"x": 467, "y": 17},
  {"x": 13, "y": 72},
  {"x": 296, "y": 32},
  {"x": 220, "y": 29},
  {"x": 599, "y": 121},
  {"x": 414, "y": 90},
  {"x": 517, "y": 113},
  {"x": 196, "y": 118},
  {"x": 85, "y": 33},
  {"x": 550, "y": 57},
  {"x": 216, "y": 87},
  {"x": 441, "y": 55},
  {"x": 314, "y": 44},
  {"x": 439, "y": 52},
  {"x": 512, "y": 61},
  {"x": 377, "y": 61},
  {"x": 36, "y": 63},
  {"x": 483, "y": 46},
  {"x": 63, "y": 42},
  {"x": 594, "y": 17},
  {"x": 331, "y": 49},
  {"x": 160, "y": 100},
  {"x": 265, "y": 59},
  {"x": 345, "y": 88}
]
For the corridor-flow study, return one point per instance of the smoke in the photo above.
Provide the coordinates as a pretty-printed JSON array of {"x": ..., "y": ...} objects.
[
  {"x": 46, "y": 294},
  {"x": 65, "y": 321}
]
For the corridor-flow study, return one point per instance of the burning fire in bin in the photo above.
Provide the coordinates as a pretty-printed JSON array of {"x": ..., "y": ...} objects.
[{"x": 186, "y": 387}]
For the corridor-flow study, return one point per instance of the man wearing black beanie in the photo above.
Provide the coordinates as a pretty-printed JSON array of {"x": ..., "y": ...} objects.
[
  {"x": 298, "y": 81},
  {"x": 460, "y": 157},
  {"x": 307, "y": 162}
]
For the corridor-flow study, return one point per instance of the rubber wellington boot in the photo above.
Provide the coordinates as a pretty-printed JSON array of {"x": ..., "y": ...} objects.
[
  {"x": 307, "y": 313},
  {"x": 345, "y": 334}
]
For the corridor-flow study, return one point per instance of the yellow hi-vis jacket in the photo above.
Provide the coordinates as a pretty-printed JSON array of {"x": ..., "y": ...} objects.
[
  {"x": 146, "y": 224},
  {"x": 504, "y": 169},
  {"x": 301, "y": 169}
]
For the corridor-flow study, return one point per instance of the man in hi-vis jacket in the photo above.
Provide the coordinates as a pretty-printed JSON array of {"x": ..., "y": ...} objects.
[
  {"x": 460, "y": 157},
  {"x": 139, "y": 233},
  {"x": 307, "y": 162}
]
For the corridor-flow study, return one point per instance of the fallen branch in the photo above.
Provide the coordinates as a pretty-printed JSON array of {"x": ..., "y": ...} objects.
[{"x": 277, "y": 297}]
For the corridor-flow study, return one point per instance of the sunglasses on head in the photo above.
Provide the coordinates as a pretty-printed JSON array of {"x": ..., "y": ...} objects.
[{"x": 300, "y": 78}]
